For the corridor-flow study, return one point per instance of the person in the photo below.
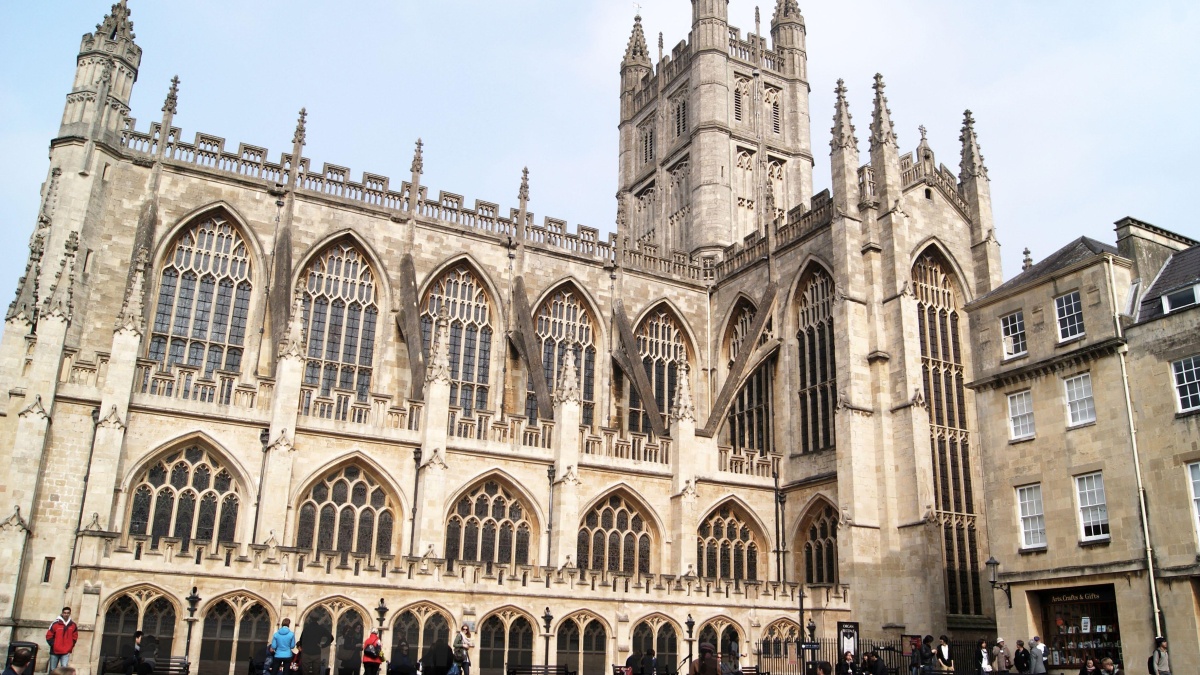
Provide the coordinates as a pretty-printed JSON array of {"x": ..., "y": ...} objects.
[
  {"x": 633, "y": 664},
  {"x": 1108, "y": 667},
  {"x": 462, "y": 649},
  {"x": 401, "y": 663},
  {"x": 61, "y": 637},
  {"x": 297, "y": 664},
  {"x": 21, "y": 659},
  {"x": 914, "y": 662},
  {"x": 1037, "y": 656},
  {"x": 133, "y": 654},
  {"x": 282, "y": 644},
  {"x": 268, "y": 659},
  {"x": 649, "y": 663},
  {"x": 877, "y": 666},
  {"x": 1089, "y": 667},
  {"x": 982, "y": 658},
  {"x": 372, "y": 653},
  {"x": 63, "y": 670},
  {"x": 1001, "y": 657},
  {"x": 927, "y": 655},
  {"x": 1160, "y": 658},
  {"x": 847, "y": 666},
  {"x": 707, "y": 663},
  {"x": 1021, "y": 658},
  {"x": 313, "y": 642},
  {"x": 942, "y": 654},
  {"x": 437, "y": 658},
  {"x": 824, "y": 668}
]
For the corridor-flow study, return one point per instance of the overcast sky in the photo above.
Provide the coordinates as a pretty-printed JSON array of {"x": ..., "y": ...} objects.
[{"x": 1084, "y": 109}]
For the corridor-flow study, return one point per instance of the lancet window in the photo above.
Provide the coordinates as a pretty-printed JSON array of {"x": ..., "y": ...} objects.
[
  {"x": 726, "y": 547},
  {"x": 661, "y": 346},
  {"x": 144, "y": 610},
  {"x": 744, "y": 191},
  {"x": 187, "y": 495},
  {"x": 340, "y": 314},
  {"x": 583, "y": 645},
  {"x": 820, "y": 546},
  {"x": 489, "y": 525},
  {"x": 679, "y": 112},
  {"x": 741, "y": 93},
  {"x": 942, "y": 371},
  {"x": 561, "y": 320},
  {"x": 470, "y": 345},
  {"x": 776, "y": 185},
  {"x": 817, "y": 376},
  {"x": 203, "y": 300},
  {"x": 664, "y": 641},
  {"x": 347, "y": 511},
  {"x": 234, "y": 631},
  {"x": 679, "y": 206},
  {"x": 614, "y": 536},
  {"x": 645, "y": 207},
  {"x": 748, "y": 423},
  {"x": 505, "y": 640},
  {"x": 419, "y": 627},
  {"x": 330, "y": 639},
  {"x": 771, "y": 98}
]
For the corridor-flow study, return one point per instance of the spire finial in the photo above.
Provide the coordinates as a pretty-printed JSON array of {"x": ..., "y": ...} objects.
[
  {"x": 972, "y": 165},
  {"x": 637, "y": 53},
  {"x": 882, "y": 132},
  {"x": 567, "y": 388},
  {"x": 523, "y": 193},
  {"x": 116, "y": 24},
  {"x": 843, "y": 127},
  {"x": 298, "y": 137},
  {"x": 786, "y": 9},
  {"x": 1027, "y": 262},
  {"x": 922, "y": 130},
  {"x": 418, "y": 163},
  {"x": 685, "y": 408},
  {"x": 169, "y": 106}
]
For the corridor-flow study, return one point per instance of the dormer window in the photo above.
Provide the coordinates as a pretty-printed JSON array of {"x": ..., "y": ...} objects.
[{"x": 1184, "y": 297}]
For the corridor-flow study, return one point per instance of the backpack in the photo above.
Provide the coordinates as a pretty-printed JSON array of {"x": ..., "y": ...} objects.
[{"x": 1150, "y": 664}]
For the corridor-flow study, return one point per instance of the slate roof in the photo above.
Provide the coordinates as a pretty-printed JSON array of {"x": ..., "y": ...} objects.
[
  {"x": 1080, "y": 249},
  {"x": 1181, "y": 270}
]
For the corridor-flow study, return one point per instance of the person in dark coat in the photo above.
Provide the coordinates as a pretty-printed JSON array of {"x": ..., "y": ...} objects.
[
  {"x": 133, "y": 654},
  {"x": 437, "y": 658},
  {"x": 634, "y": 662},
  {"x": 19, "y": 665},
  {"x": 402, "y": 663},
  {"x": 1021, "y": 658}
]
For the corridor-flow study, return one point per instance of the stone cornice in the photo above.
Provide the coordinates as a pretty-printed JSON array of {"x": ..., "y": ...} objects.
[{"x": 1046, "y": 366}]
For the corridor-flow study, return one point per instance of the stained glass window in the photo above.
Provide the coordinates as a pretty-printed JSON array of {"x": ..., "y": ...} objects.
[
  {"x": 563, "y": 318},
  {"x": 186, "y": 507},
  {"x": 662, "y": 349},
  {"x": 501, "y": 644},
  {"x": 355, "y": 514},
  {"x": 814, "y": 313},
  {"x": 820, "y": 546},
  {"x": 470, "y": 344},
  {"x": 419, "y": 629},
  {"x": 203, "y": 299},
  {"x": 482, "y": 524},
  {"x": 726, "y": 546},
  {"x": 603, "y": 535}
]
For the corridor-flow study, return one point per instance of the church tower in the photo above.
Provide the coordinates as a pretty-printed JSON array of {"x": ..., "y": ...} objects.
[
  {"x": 105, "y": 71},
  {"x": 715, "y": 138}
]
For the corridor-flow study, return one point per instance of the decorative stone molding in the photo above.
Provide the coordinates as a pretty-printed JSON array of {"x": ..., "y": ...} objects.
[
  {"x": 294, "y": 342},
  {"x": 685, "y": 408},
  {"x": 570, "y": 477},
  {"x": 567, "y": 390},
  {"x": 112, "y": 420},
  {"x": 439, "y": 356},
  {"x": 130, "y": 318},
  {"x": 689, "y": 490},
  {"x": 437, "y": 459},
  {"x": 284, "y": 442},
  {"x": 15, "y": 521},
  {"x": 35, "y": 408}
]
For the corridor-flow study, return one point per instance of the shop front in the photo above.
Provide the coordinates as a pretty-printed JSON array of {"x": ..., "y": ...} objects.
[{"x": 1080, "y": 623}]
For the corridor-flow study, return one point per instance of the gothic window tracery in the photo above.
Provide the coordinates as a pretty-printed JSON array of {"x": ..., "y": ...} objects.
[
  {"x": 188, "y": 495},
  {"x": 491, "y": 525},
  {"x": 744, "y": 191},
  {"x": 470, "y": 343},
  {"x": 679, "y": 204},
  {"x": 140, "y": 609},
  {"x": 749, "y": 421},
  {"x": 771, "y": 98},
  {"x": 728, "y": 646},
  {"x": 646, "y": 141},
  {"x": 564, "y": 318},
  {"x": 776, "y": 185},
  {"x": 814, "y": 309},
  {"x": 680, "y": 115},
  {"x": 420, "y": 627},
  {"x": 820, "y": 557},
  {"x": 331, "y": 638},
  {"x": 659, "y": 635},
  {"x": 234, "y": 630},
  {"x": 614, "y": 536},
  {"x": 741, "y": 93},
  {"x": 203, "y": 300},
  {"x": 583, "y": 645},
  {"x": 726, "y": 546},
  {"x": 340, "y": 318},
  {"x": 505, "y": 640},
  {"x": 645, "y": 206},
  {"x": 942, "y": 370},
  {"x": 661, "y": 346},
  {"x": 348, "y": 511}
]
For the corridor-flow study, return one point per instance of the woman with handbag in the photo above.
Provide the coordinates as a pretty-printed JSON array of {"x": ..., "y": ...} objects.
[
  {"x": 983, "y": 658},
  {"x": 372, "y": 653},
  {"x": 462, "y": 649}
]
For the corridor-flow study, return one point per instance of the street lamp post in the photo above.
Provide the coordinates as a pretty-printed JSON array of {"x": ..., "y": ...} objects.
[
  {"x": 690, "y": 623},
  {"x": 382, "y": 611},
  {"x": 546, "y": 619},
  {"x": 993, "y": 565},
  {"x": 192, "y": 600},
  {"x": 412, "y": 536}
]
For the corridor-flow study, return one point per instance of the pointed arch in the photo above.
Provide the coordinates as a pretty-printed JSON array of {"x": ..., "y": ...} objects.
[
  {"x": 814, "y": 501},
  {"x": 665, "y": 348},
  {"x": 933, "y": 245},
  {"x": 142, "y": 594},
  {"x": 817, "y": 542},
  {"x": 630, "y": 493},
  {"x": 780, "y": 642},
  {"x": 657, "y": 619},
  {"x": 508, "y": 613},
  {"x": 737, "y": 321},
  {"x": 332, "y": 629},
  {"x": 660, "y": 633},
  {"x": 475, "y": 315},
  {"x": 731, "y": 543},
  {"x": 145, "y": 607},
  {"x": 218, "y": 209},
  {"x": 240, "y": 600},
  {"x": 488, "y": 522},
  {"x": 337, "y": 605},
  {"x": 425, "y": 608},
  {"x": 348, "y": 508},
  {"x": 382, "y": 285},
  {"x": 563, "y": 315},
  {"x": 228, "y": 459},
  {"x": 478, "y": 269},
  {"x": 816, "y": 362},
  {"x": 665, "y": 303},
  {"x": 234, "y": 626},
  {"x": 506, "y": 639},
  {"x": 353, "y": 457},
  {"x": 808, "y": 264},
  {"x": 582, "y": 617},
  {"x": 618, "y": 533},
  {"x": 500, "y": 474}
]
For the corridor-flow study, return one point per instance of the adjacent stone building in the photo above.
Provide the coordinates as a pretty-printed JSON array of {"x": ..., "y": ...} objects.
[
  {"x": 239, "y": 388},
  {"x": 1087, "y": 396}
]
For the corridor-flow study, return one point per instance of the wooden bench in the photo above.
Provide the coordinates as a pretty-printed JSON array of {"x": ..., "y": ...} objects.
[
  {"x": 170, "y": 665},
  {"x": 539, "y": 670}
]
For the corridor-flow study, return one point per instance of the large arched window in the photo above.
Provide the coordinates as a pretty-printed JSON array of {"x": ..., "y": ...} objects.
[
  {"x": 564, "y": 318},
  {"x": 420, "y": 626},
  {"x": 749, "y": 422},
  {"x": 235, "y": 629},
  {"x": 726, "y": 546},
  {"x": 614, "y": 537},
  {"x": 347, "y": 511},
  {"x": 814, "y": 316},
  {"x": 340, "y": 317},
  {"x": 658, "y": 634},
  {"x": 729, "y": 646},
  {"x": 142, "y": 609},
  {"x": 942, "y": 370},
  {"x": 583, "y": 645},
  {"x": 489, "y": 524},
  {"x": 745, "y": 190},
  {"x": 662, "y": 348},
  {"x": 332, "y": 638},
  {"x": 470, "y": 348},
  {"x": 187, "y": 495},
  {"x": 203, "y": 299},
  {"x": 505, "y": 641},
  {"x": 820, "y": 556}
]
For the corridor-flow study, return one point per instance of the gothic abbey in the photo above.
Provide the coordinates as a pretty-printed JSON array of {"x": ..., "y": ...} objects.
[{"x": 303, "y": 395}]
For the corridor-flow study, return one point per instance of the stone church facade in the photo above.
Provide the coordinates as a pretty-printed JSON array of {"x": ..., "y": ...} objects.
[{"x": 238, "y": 390}]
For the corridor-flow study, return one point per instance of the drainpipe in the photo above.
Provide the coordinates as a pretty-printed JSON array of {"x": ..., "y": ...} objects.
[
  {"x": 1133, "y": 446},
  {"x": 86, "y": 475}
]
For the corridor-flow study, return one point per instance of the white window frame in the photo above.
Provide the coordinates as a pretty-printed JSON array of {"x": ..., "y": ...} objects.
[
  {"x": 1008, "y": 339},
  {"x": 1185, "y": 377},
  {"x": 1017, "y": 431},
  {"x": 1194, "y": 491},
  {"x": 1032, "y": 521},
  {"x": 1168, "y": 308},
  {"x": 1075, "y": 299},
  {"x": 1092, "y": 501},
  {"x": 1082, "y": 408}
]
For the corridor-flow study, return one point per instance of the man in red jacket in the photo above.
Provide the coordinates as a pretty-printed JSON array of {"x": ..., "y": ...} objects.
[{"x": 61, "y": 637}]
